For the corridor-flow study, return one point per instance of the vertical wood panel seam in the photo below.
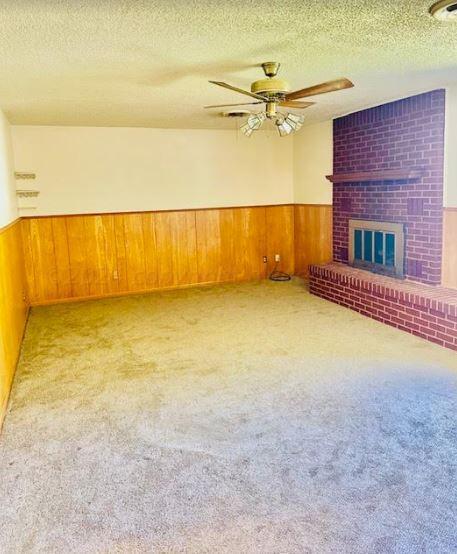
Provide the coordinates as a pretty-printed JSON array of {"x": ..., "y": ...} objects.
[
  {"x": 196, "y": 247},
  {"x": 145, "y": 272},
  {"x": 68, "y": 254},
  {"x": 117, "y": 254},
  {"x": 34, "y": 261}
]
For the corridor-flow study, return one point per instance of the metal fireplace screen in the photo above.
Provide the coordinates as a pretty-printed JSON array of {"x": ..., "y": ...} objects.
[{"x": 377, "y": 246}]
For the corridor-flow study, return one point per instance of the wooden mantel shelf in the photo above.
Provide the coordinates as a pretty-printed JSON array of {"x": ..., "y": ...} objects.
[{"x": 379, "y": 175}]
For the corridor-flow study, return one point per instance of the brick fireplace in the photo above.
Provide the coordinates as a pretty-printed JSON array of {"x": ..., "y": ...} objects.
[
  {"x": 388, "y": 218},
  {"x": 405, "y": 135}
]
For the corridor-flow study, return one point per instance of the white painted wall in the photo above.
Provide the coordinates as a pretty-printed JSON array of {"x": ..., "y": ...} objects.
[
  {"x": 313, "y": 160},
  {"x": 8, "y": 203},
  {"x": 97, "y": 169},
  {"x": 90, "y": 169},
  {"x": 450, "y": 166}
]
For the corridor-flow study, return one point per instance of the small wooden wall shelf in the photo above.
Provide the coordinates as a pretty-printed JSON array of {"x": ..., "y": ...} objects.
[{"x": 379, "y": 175}]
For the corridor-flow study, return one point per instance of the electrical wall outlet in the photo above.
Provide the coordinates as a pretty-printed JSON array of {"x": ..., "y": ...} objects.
[
  {"x": 265, "y": 259},
  {"x": 277, "y": 258},
  {"x": 115, "y": 274}
]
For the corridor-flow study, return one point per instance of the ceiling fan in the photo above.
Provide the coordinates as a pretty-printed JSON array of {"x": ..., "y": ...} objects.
[{"x": 274, "y": 93}]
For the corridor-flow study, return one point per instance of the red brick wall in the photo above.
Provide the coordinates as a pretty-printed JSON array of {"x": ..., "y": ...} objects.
[
  {"x": 430, "y": 314},
  {"x": 408, "y": 133}
]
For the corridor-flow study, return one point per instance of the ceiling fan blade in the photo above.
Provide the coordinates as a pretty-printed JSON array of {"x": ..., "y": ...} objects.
[
  {"x": 293, "y": 104},
  {"x": 330, "y": 86},
  {"x": 240, "y": 90},
  {"x": 230, "y": 105}
]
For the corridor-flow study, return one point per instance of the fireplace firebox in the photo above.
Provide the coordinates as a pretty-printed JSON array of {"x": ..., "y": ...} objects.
[{"x": 377, "y": 246}]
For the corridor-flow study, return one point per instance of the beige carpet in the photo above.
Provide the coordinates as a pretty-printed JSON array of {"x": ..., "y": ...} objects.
[{"x": 237, "y": 419}]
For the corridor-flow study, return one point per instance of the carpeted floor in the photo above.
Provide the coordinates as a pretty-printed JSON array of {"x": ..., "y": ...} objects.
[{"x": 248, "y": 418}]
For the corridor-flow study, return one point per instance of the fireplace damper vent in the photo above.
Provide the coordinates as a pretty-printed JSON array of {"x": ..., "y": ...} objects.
[{"x": 377, "y": 246}]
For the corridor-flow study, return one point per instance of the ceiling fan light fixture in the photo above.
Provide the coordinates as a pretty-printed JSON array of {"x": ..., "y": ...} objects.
[
  {"x": 256, "y": 120},
  {"x": 284, "y": 128},
  {"x": 246, "y": 130},
  {"x": 253, "y": 123},
  {"x": 289, "y": 124},
  {"x": 295, "y": 121}
]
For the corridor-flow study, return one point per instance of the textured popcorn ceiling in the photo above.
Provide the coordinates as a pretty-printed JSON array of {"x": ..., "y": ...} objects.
[{"x": 146, "y": 63}]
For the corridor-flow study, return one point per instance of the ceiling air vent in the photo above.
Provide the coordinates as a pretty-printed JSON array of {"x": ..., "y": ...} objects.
[
  {"x": 445, "y": 10},
  {"x": 236, "y": 113}
]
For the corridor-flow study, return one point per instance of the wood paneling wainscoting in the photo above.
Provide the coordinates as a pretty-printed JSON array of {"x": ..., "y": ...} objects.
[
  {"x": 450, "y": 248},
  {"x": 90, "y": 256},
  {"x": 13, "y": 307},
  {"x": 313, "y": 236}
]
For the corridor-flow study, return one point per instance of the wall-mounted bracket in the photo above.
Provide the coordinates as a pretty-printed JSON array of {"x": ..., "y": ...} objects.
[
  {"x": 24, "y": 175},
  {"x": 22, "y": 193}
]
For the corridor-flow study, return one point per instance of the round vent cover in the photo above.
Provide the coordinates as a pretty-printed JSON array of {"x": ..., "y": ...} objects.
[
  {"x": 445, "y": 10},
  {"x": 236, "y": 113}
]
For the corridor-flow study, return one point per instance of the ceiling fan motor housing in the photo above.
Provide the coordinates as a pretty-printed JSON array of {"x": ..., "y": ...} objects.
[{"x": 272, "y": 86}]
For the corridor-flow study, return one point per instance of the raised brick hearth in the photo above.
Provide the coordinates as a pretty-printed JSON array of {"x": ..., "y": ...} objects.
[
  {"x": 426, "y": 311},
  {"x": 404, "y": 135}
]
